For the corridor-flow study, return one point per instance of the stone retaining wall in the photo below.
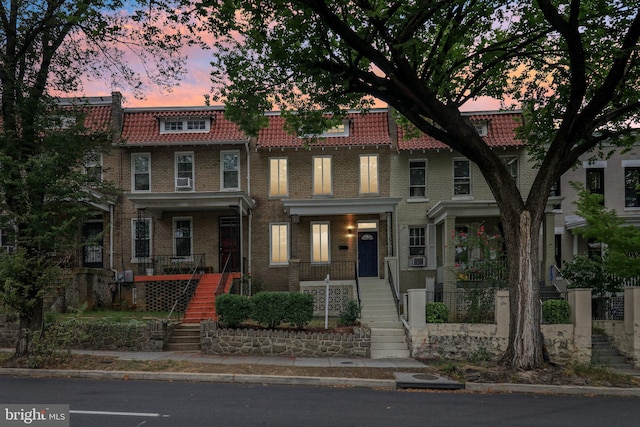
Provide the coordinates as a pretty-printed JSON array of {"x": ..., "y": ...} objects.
[
  {"x": 284, "y": 343},
  {"x": 8, "y": 331}
]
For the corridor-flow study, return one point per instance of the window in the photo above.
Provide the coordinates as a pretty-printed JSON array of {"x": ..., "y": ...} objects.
[
  {"x": 417, "y": 178},
  {"x": 182, "y": 237},
  {"x": 320, "y": 242},
  {"x": 184, "y": 171},
  {"x": 417, "y": 241},
  {"x": 278, "y": 182},
  {"x": 341, "y": 129},
  {"x": 369, "y": 174},
  {"x": 93, "y": 167},
  {"x": 511, "y": 164},
  {"x": 178, "y": 125},
  {"x": 7, "y": 238},
  {"x": 322, "y": 176},
  {"x": 141, "y": 165},
  {"x": 230, "y": 170},
  {"x": 279, "y": 237},
  {"x": 555, "y": 192},
  {"x": 461, "y": 178},
  {"x": 482, "y": 128},
  {"x": 141, "y": 238},
  {"x": 632, "y": 187},
  {"x": 595, "y": 181}
]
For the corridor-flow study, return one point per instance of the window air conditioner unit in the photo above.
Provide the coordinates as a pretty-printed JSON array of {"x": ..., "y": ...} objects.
[
  {"x": 183, "y": 183},
  {"x": 418, "y": 261}
]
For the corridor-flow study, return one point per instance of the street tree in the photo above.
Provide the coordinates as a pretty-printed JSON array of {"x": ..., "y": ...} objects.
[
  {"x": 47, "y": 47},
  {"x": 572, "y": 67}
]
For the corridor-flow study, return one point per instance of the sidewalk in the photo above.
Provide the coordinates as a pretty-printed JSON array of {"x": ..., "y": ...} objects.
[{"x": 394, "y": 363}]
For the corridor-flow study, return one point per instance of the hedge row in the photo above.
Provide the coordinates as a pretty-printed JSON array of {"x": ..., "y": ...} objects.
[{"x": 266, "y": 308}]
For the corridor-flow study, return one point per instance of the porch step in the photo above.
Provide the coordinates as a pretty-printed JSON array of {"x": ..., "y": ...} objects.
[
  {"x": 185, "y": 337},
  {"x": 604, "y": 354},
  {"x": 388, "y": 339}
]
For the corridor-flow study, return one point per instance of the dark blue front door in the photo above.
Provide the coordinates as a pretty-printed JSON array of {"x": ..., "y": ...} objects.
[{"x": 368, "y": 254}]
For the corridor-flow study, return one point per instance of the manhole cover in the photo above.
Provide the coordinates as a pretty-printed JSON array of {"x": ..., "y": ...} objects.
[{"x": 425, "y": 377}]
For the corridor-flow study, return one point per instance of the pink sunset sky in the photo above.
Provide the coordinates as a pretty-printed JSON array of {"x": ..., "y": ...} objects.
[{"x": 191, "y": 89}]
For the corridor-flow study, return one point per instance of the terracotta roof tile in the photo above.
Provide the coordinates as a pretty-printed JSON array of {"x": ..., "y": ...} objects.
[
  {"x": 141, "y": 127},
  {"x": 364, "y": 129},
  {"x": 500, "y": 132}
]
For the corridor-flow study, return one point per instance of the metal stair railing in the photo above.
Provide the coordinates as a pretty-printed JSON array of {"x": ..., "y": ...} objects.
[{"x": 185, "y": 290}]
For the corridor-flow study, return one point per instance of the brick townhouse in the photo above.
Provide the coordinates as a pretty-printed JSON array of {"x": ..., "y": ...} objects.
[{"x": 361, "y": 200}]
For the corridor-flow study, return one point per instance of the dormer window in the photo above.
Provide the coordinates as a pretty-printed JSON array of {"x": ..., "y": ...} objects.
[
  {"x": 186, "y": 125},
  {"x": 482, "y": 128},
  {"x": 338, "y": 130}
]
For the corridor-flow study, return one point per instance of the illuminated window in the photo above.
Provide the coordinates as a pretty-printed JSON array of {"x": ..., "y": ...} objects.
[
  {"x": 322, "y": 176},
  {"x": 278, "y": 182},
  {"x": 369, "y": 174}
]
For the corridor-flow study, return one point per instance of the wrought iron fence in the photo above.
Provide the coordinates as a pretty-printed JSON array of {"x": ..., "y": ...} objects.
[
  {"x": 171, "y": 264},
  {"x": 467, "y": 305},
  {"x": 608, "y": 308}
]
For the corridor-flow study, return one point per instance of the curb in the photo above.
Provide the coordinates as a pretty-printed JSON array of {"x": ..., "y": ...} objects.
[
  {"x": 199, "y": 377},
  {"x": 313, "y": 381}
]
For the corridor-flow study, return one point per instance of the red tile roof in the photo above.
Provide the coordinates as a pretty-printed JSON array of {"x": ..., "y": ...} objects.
[
  {"x": 369, "y": 129},
  {"x": 500, "y": 132},
  {"x": 141, "y": 127}
]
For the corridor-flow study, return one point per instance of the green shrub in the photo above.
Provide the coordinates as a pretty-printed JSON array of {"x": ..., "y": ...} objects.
[
  {"x": 350, "y": 314},
  {"x": 437, "y": 312},
  {"x": 300, "y": 309},
  {"x": 270, "y": 308},
  {"x": 233, "y": 309},
  {"x": 556, "y": 311}
]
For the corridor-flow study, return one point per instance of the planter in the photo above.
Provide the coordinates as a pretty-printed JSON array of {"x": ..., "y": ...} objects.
[{"x": 150, "y": 271}]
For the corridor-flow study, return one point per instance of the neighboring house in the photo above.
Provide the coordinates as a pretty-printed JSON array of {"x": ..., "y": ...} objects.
[
  {"x": 445, "y": 196},
  {"x": 616, "y": 179}
]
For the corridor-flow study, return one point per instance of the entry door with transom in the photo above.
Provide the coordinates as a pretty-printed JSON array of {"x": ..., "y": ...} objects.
[
  {"x": 367, "y": 253},
  {"x": 229, "y": 246}
]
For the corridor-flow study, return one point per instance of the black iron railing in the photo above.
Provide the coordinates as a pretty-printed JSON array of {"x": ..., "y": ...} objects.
[
  {"x": 172, "y": 264},
  {"x": 337, "y": 270},
  {"x": 394, "y": 290}
]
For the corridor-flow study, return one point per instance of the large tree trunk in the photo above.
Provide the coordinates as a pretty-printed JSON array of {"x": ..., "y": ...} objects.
[
  {"x": 525, "y": 341},
  {"x": 30, "y": 326}
]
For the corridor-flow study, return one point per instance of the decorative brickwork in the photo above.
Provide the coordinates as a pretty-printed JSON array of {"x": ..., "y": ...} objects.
[
  {"x": 338, "y": 298},
  {"x": 162, "y": 295}
]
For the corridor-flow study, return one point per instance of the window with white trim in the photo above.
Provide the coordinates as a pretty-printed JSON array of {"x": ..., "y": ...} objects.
[
  {"x": 322, "y": 176},
  {"x": 230, "y": 170},
  {"x": 369, "y": 174},
  {"x": 184, "y": 168},
  {"x": 481, "y": 127},
  {"x": 93, "y": 166},
  {"x": 418, "y": 178},
  {"x": 278, "y": 177},
  {"x": 141, "y": 239},
  {"x": 179, "y": 125},
  {"x": 279, "y": 247},
  {"x": 417, "y": 241},
  {"x": 341, "y": 129},
  {"x": 320, "y": 242},
  {"x": 632, "y": 187},
  {"x": 461, "y": 177},
  {"x": 182, "y": 237},
  {"x": 141, "y": 172}
]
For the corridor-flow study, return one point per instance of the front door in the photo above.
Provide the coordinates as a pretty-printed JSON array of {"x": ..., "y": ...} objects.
[
  {"x": 368, "y": 254},
  {"x": 92, "y": 245},
  {"x": 229, "y": 246}
]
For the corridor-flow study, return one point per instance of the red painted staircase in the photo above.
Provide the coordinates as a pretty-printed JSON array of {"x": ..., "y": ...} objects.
[{"x": 203, "y": 304}]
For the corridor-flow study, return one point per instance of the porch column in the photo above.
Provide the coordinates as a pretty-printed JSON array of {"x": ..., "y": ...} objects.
[
  {"x": 389, "y": 235},
  {"x": 293, "y": 276},
  {"x": 449, "y": 255},
  {"x": 547, "y": 258}
]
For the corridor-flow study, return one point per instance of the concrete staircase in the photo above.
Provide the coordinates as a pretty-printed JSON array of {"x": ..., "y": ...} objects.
[
  {"x": 185, "y": 337},
  {"x": 604, "y": 354},
  {"x": 388, "y": 338}
]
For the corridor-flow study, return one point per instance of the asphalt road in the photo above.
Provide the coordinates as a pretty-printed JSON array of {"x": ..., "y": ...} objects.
[{"x": 101, "y": 403}]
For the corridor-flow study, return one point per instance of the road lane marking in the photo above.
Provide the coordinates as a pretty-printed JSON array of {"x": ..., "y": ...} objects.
[{"x": 122, "y": 414}]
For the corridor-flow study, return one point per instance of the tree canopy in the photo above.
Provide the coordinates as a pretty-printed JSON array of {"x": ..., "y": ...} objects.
[{"x": 572, "y": 67}]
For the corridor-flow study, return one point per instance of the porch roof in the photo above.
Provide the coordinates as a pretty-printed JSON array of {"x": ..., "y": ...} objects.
[
  {"x": 355, "y": 206},
  {"x": 475, "y": 208},
  {"x": 157, "y": 203}
]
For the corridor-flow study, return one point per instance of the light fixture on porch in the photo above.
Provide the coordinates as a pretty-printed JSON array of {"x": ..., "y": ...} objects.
[{"x": 350, "y": 231}]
